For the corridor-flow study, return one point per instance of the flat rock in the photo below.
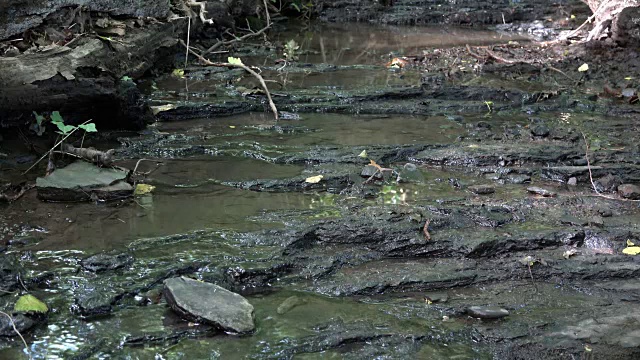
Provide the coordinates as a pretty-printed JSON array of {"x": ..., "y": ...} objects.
[
  {"x": 629, "y": 191},
  {"x": 210, "y": 303},
  {"x": 81, "y": 181},
  {"x": 482, "y": 189},
  {"x": 487, "y": 312},
  {"x": 540, "y": 191}
]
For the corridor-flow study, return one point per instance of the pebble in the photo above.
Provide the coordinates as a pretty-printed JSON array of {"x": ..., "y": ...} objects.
[
  {"x": 540, "y": 191},
  {"x": 482, "y": 189},
  {"x": 487, "y": 312},
  {"x": 572, "y": 181}
]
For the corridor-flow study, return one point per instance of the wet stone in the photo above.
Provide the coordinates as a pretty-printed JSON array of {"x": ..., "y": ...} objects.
[
  {"x": 209, "y": 303},
  {"x": 540, "y": 130},
  {"x": 21, "y": 322},
  {"x": 540, "y": 191},
  {"x": 629, "y": 191},
  {"x": 519, "y": 179},
  {"x": 487, "y": 312},
  {"x": 482, "y": 189},
  {"x": 105, "y": 262},
  {"x": 93, "y": 303},
  {"x": 572, "y": 181},
  {"x": 369, "y": 171},
  {"x": 607, "y": 183}
]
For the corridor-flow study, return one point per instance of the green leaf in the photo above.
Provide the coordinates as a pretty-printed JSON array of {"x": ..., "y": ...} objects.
[
  {"x": 28, "y": 302},
  {"x": 179, "y": 73},
  {"x": 126, "y": 78},
  {"x": 90, "y": 127},
  {"x": 56, "y": 117},
  {"x": 234, "y": 61},
  {"x": 39, "y": 118},
  {"x": 64, "y": 129}
]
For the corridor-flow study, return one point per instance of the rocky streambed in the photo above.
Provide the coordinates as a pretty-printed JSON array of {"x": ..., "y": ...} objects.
[{"x": 475, "y": 232}]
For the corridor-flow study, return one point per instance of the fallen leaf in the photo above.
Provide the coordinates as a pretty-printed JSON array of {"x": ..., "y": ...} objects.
[
  {"x": 363, "y": 154},
  {"x": 373, "y": 163},
  {"x": 584, "y": 67},
  {"x": 179, "y": 73},
  {"x": 234, "y": 60},
  {"x": 313, "y": 179},
  {"x": 28, "y": 302},
  {"x": 631, "y": 250},
  {"x": 569, "y": 253},
  {"x": 232, "y": 126},
  {"x": 142, "y": 189},
  {"x": 630, "y": 243}
]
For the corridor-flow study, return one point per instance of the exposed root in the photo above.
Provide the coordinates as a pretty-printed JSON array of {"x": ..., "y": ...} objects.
[{"x": 202, "y": 12}]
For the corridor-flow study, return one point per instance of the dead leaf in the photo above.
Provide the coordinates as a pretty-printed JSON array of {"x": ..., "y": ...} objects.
[{"x": 313, "y": 179}]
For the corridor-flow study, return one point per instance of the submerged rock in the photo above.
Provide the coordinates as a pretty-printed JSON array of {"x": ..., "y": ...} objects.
[
  {"x": 288, "y": 304},
  {"x": 540, "y": 191},
  {"x": 482, "y": 189},
  {"x": 105, "y": 262},
  {"x": 487, "y": 312},
  {"x": 81, "y": 181},
  {"x": 210, "y": 303},
  {"x": 21, "y": 322}
]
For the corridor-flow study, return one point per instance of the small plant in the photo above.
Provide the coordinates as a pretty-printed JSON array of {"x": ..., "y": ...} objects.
[
  {"x": 63, "y": 129},
  {"x": 291, "y": 50},
  {"x": 303, "y": 8}
]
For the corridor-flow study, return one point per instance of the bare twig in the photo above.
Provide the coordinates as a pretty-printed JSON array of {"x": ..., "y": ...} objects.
[
  {"x": 186, "y": 55},
  {"x": 425, "y": 230},
  {"x": 203, "y": 10},
  {"x": 13, "y": 324},
  {"x": 235, "y": 40},
  {"x": 238, "y": 65}
]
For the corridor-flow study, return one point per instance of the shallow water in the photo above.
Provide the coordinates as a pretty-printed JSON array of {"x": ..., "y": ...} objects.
[{"x": 191, "y": 217}]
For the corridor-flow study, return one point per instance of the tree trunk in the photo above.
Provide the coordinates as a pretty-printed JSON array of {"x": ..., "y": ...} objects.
[{"x": 618, "y": 19}]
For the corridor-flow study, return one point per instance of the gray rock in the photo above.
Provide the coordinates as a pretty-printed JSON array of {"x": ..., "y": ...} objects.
[
  {"x": 519, "y": 178},
  {"x": 540, "y": 191},
  {"x": 210, "y": 303},
  {"x": 573, "y": 181},
  {"x": 607, "y": 183},
  {"x": 482, "y": 189},
  {"x": 81, "y": 181},
  {"x": 487, "y": 312},
  {"x": 105, "y": 262},
  {"x": 369, "y": 171},
  {"x": 540, "y": 130},
  {"x": 22, "y": 323},
  {"x": 629, "y": 191}
]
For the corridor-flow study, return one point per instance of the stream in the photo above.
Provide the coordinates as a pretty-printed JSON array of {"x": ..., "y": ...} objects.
[{"x": 342, "y": 268}]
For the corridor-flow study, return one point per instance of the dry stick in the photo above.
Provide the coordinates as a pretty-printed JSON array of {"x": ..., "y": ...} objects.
[
  {"x": 242, "y": 66},
  {"x": 229, "y": 42},
  {"x": 26, "y": 347},
  {"x": 186, "y": 55},
  {"x": 54, "y": 146}
]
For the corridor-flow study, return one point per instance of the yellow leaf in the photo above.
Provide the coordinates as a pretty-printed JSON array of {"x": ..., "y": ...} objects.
[
  {"x": 160, "y": 108},
  {"x": 28, "y": 302},
  {"x": 631, "y": 250},
  {"x": 234, "y": 61},
  {"x": 629, "y": 78},
  {"x": 232, "y": 126},
  {"x": 573, "y": 16},
  {"x": 363, "y": 154},
  {"x": 584, "y": 67},
  {"x": 630, "y": 243},
  {"x": 142, "y": 189},
  {"x": 314, "y": 179},
  {"x": 178, "y": 73}
]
